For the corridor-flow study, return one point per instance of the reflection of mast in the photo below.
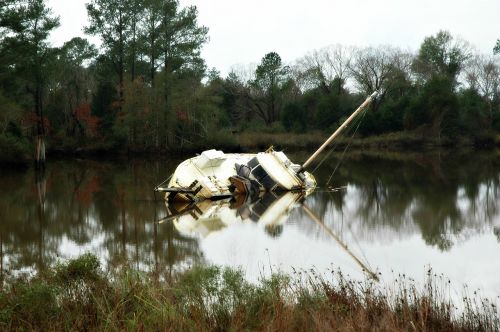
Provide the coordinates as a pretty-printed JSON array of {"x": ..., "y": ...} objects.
[
  {"x": 41, "y": 188},
  {"x": 124, "y": 228},
  {"x": 136, "y": 242},
  {"x": 155, "y": 242},
  {"x": 340, "y": 243}
]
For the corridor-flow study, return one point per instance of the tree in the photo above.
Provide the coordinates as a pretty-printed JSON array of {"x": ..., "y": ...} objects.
[
  {"x": 496, "y": 49},
  {"x": 28, "y": 25},
  {"x": 436, "y": 105},
  {"x": 130, "y": 124},
  {"x": 375, "y": 69},
  {"x": 440, "y": 60},
  {"x": 441, "y": 55},
  {"x": 74, "y": 81},
  {"x": 320, "y": 68},
  {"x": 235, "y": 99},
  {"x": 4, "y": 5},
  {"x": 136, "y": 10},
  {"x": 474, "y": 109},
  {"x": 10, "y": 113},
  {"x": 182, "y": 37},
  {"x": 483, "y": 75},
  {"x": 294, "y": 117},
  {"x": 181, "y": 41},
  {"x": 110, "y": 20},
  {"x": 270, "y": 78},
  {"x": 150, "y": 34}
]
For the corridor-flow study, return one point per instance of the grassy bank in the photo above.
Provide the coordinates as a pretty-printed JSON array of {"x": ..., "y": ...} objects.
[
  {"x": 14, "y": 151},
  {"x": 397, "y": 141},
  {"x": 259, "y": 141},
  {"x": 78, "y": 295}
]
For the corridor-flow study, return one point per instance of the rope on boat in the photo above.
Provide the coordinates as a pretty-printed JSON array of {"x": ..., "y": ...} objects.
[{"x": 161, "y": 184}]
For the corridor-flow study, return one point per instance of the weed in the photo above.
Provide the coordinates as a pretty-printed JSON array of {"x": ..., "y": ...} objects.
[{"x": 78, "y": 295}]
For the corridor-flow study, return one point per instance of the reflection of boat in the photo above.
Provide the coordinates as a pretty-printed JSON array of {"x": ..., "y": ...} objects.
[
  {"x": 270, "y": 212},
  {"x": 214, "y": 174}
]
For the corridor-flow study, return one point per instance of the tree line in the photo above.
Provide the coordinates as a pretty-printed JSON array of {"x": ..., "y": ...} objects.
[{"x": 146, "y": 87}]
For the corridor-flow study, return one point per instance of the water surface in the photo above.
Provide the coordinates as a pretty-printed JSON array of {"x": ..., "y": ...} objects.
[{"x": 395, "y": 214}]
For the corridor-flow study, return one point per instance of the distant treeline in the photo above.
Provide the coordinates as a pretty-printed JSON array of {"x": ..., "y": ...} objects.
[{"x": 147, "y": 87}]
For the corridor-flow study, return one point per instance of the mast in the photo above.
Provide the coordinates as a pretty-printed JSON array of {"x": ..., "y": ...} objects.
[{"x": 337, "y": 132}]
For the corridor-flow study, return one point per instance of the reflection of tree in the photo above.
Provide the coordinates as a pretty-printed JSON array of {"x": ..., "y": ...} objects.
[
  {"x": 496, "y": 231},
  {"x": 106, "y": 207},
  {"x": 24, "y": 214},
  {"x": 436, "y": 211},
  {"x": 424, "y": 191},
  {"x": 129, "y": 225}
]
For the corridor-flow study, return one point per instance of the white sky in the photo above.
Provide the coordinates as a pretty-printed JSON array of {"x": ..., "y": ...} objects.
[{"x": 241, "y": 32}]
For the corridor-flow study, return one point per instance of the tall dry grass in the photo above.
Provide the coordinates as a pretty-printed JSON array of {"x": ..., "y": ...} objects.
[{"x": 78, "y": 295}]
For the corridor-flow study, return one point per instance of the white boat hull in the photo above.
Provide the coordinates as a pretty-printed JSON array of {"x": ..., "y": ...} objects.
[{"x": 214, "y": 174}]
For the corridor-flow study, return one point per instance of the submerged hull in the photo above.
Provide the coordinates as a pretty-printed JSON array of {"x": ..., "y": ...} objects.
[
  {"x": 214, "y": 174},
  {"x": 269, "y": 210}
]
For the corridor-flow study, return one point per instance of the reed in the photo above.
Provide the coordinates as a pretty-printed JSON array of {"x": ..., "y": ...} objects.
[{"x": 78, "y": 295}]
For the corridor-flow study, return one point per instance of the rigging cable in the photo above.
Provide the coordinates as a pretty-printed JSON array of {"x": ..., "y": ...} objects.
[
  {"x": 359, "y": 120},
  {"x": 347, "y": 147},
  {"x": 333, "y": 148}
]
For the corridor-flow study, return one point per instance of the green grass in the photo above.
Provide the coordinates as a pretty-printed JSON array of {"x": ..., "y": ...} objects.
[{"x": 78, "y": 295}]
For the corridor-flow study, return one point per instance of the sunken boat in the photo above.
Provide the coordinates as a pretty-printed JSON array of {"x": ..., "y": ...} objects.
[{"x": 214, "y": 175}]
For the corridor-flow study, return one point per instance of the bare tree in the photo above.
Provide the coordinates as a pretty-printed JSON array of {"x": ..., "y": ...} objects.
[
  {"x": 320, "y": 68},
  {"x": 482, "y": 73},
  {"x": 338, "y": 58},
  {"x": 381, "y": 69},
  {"x": 371, "y": 67},
  {"x": 243, "y": 73}
]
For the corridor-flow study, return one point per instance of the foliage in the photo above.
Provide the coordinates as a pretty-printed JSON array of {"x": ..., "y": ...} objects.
[
  {"x": 10, "y": 114},
  {"x": 86, "y": 267},
  {"x": 268, "y": 86},
  {"x": 473, "y": 112},
  {"x": 496, "y": 49},
  {"x": 13, "y": 149},
  {"x": 294, "y": 117},
  {"x": 441, "y": 55},
  {"x": 26, "y": 49},
  {"x": 435, "y": 107},
  {"x": 146, "y": 88},
  {"x": 78, "y": 295}
]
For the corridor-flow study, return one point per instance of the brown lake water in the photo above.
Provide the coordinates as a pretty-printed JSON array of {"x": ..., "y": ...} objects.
[{"x": 396, "y": 214}]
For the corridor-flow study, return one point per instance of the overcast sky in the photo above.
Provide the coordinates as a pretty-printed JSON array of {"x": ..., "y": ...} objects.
[{"x": 241, "y": 32}]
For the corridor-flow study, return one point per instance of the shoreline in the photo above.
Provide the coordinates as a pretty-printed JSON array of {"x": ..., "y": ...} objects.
[
  {"x": 79, "y": 295},
  {"x": 400, "y": 142},
  {"x": 252, "y": 142}
]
